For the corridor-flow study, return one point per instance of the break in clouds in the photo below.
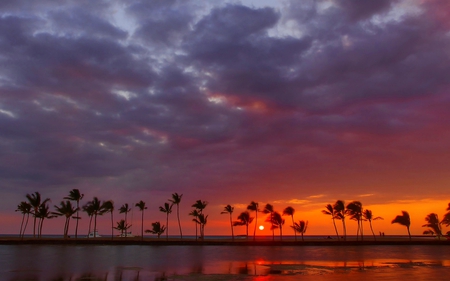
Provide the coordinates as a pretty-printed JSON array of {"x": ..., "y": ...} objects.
[{"x": 211, "y": 98}]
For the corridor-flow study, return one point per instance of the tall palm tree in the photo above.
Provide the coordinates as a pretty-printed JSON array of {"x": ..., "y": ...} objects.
[
  {"x": 89, "y": 209},
  {"x": 277, "y": 222},
  {"x": 289, "y": 211},
  {"x": 108, "y": 207},
  {"x": 166, "y": 209},
  {"x": 229, "y": 210},
  {"x": 125, "y": 209},
  {"x": 339, "y": 210},
  {"x": 404, "y": 220},
  {"x": 268, "y": 209},
  {"x": 300, "y": 227},
  {"x": 157, "y": 229},
  {"x": 195, "y": 214},
  {"x": 35, "y": 202},
  {"x": 367, "y": 215},
  {"x": 253, "y": 206},
  {"x": 24, "y": 208},
  {"x": 176, "y": 199},
  {"x": 433, "y": 223},
  {"x": 329, "y": 210},
  {"x": 244, "y": 219},
  {"x": 67, "y": 210},
  {"x": 43, "y": 213},
  {"x": 75, "y": 195},
  {"x": 95, "y": 208},
  {"x": 122, "y": 226},
  {"x": 354, "y": 210},
  {"x": 141, "y": 206}
]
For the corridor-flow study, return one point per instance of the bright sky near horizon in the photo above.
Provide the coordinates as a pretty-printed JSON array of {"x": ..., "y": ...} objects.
[{"x": 292, "y": 103}]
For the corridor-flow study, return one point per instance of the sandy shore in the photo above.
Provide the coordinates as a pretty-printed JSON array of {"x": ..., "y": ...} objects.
[{"x": 227, "y": 242}]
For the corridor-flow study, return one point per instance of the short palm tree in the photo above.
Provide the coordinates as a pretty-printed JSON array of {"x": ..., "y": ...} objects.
[
  {"x": 122, "y": 226},
  {"x": 300, "y": 227},
  {"x": 195, "y": 214},
  {"x": 202, "y": 220},
  {"x": 446, "y": 219},
  {"x": 329, "y": 210},
  {"x": 277, "y": 222},
  {"x": 89, "y": 209},
  {"x": 75, "y": 195},
  {"x": 229, "y": 210},
  {"x": 339, "y": 210},
  {"x": 176, "y": 199},
  {"x": 43, "y": 213},
  {"x": 141, "y": 206},
  {"x": 268, "y": 209},
  {"x": 65, "y": 209},
  {"x": 404, "y": 220},
  {"x": 25, "y": 209},
  {"x": 157, "y": 229},
  {"x": 289, "y": 211},
  {"x": 367, "y": 215},
  {"x": 94, "y": 207},
  {"x": 253, "y": 206},
  {"x": 433, "y": 223},
  {"x": 200, "y": 205},
  {"x": 125, "y": 209},
  {"x": 244, "y": 219},
  {"x": 35, "y": 202},
  {"x": 354, "y": 210},
  {"x": 108, "y": 207},
  {"x": 166, "y": 209}
]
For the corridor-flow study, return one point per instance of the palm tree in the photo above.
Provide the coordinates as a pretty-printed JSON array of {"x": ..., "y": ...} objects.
[
  {"x": 229, "y": 210},
  {"x": 67, "y": 210},
  {"x": 25, "y": 208},
  {"x": 94, "y": 208},
  {"x": 157, "y": 229},
  {"x": 176, "y": 199},
  {"x": 300, "y": 227},
  {"x": 125, "y": 209},
  {"x": 195, "y": 214},
  {"x": 35, "y": 202},
  {"x": 268, "y": 209},
  {"x": 329, "y": 210},
  {"x": 289, "y": 211},
  {"x": 253, "y": 206},
  {"x": 75, "y": 195},
  {"x": 89, "y": 209},
  {"x": 202, "y": 220},
  {"x": 141, "y": 206},
  {"x": 244, "y": 219},
  {"x": 200, "y": 205},
  {"x": 122, "y": 226},
  {"x": 108, "y": 207},
  {"x": 446, "y": 219},
  {"x": 277, "y": 222},
  {"x": 43, "y": 213},
  {"x": 339, "y": 210},
  {"x": 404, "y": 220},
  {"x": 354, "y": 210},
  {"x": 367, "y": 215},
  {"x": 166, "y": 209},
  {"x": 433, "y": 223}
]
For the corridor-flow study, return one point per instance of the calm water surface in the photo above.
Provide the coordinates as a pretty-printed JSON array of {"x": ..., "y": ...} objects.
[{"x": 117, "y": 263}]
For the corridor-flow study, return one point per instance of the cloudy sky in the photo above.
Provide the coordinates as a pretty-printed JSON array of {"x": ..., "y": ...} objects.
[{"x": 293, "y": 103}]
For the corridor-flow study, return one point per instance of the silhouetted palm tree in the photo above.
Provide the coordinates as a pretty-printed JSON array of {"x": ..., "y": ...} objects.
[
  {"x": 94, "y": 208},
  {"x": 433, "y": 223},
  {"x": 108, "y": 207},
  {"x": 43, "y": 213},
  {"x": 354, "y": 210},
  {"x": 404, "y": 220},
  {"x": 141, "y": 206},
  {"x": 195, "y": 214},
  {"x": 89, "y": 209},
  {"x": 166, "y": 209},
  {"x": 300, "y": 227},
  {"x": 367, "y": 214},
  {"x": 200, "y": 206},
  {"x": 277, "y": 222},
  {"x": 66, "y": 210},
  {"x": 125, "y": 209},
  {"x": 339, "y": 210},
  {"x": 35, "y": 202},
  {"x": 202, "y": 220},
  {"x": 446, "y": 219},
  {"x": 157, "y": 229},
  {"x": 25, "y": 209},
  {"x": 123, "y": 227},
  {"x": 229, "y": 210},
  {"x": 268, "y": 209},
  {"x": 329, "y": 210},
  {"x": 75, "y": 195},
  {"x": 244, "y": 219},
  {"x": 253, "y": 206},
  {"x": 289, "y": 211},
  {"x": 176, "y": 199}
]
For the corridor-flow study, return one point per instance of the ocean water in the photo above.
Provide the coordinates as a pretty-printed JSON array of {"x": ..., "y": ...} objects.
[{"x": 258, "y": 263}]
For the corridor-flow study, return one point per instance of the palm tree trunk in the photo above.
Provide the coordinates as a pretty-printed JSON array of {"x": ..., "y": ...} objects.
[
  {"x": 142, "y": 226},
  {"x": 95, "y": 225},
  {"x": 126, "y": 223},
  {"x": 281, "y": 232},
  {"x": 112, "y": 226},
  {"x": 78, "y": 218},
  {"x": 335, "y": 228},
  {"x": 370, "y": 223},
  {"x": 25, "y": 227},
  {"x": 34, "y": 225},
  {"x": 65, "y": 229},
  {"x": 256, "y": 224},
  {"x": 21, "y": 225},
  {"x": 362, "y": 230},
  {"x": 196, "y": 231},
  {"x": 345, "y": 229},
  {"x": 409, "y": 233},
  {"x": 295, "y": 232},
  {"x": 90, "y": 224},
  {"x": 179, "y": 223},
  {"x": 40, "y": 228},
  {"x": 167, "y": 227},
  {"x": 232, "y": 231}
]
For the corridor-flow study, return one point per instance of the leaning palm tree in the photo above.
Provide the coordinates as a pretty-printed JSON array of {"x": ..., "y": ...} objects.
[
  {"x": 94, "y": 207},
  {"x": 277, "y": 222},
  {"x": 433, "y": 223},
  {"x": 43, "y": 213},
  {"x": 367, "y": 215},
  {"x": 289, "y": 211},
  {"x": 141, "y": 206},
  {"x": 90, "y": 212},
  {"x": 75, "y": 195},
  {"x": 354, "y": 210},
  {"x": 195, "y": 214},
  {"x": 125, "y": 209},
  {"x": 329, "y": 210},
  {"x": 25, "y": 209},
  {"x": 229, "y": 210},
  {"x": 300, "y": 227},
  {"x": 244, "y": 219},
  {"x": 176, "y": 199},
  {"x": 66, "y": 210},
  {"x": 253, "y": 206},
  {"x": 268, "y": 209},
  {"x": 446, "y": 219},
  {"x": 166, "y": 209},
  {"x": 157, "y": 229},
  {"x": 122, "y": 226},
  {"x": 108, "y": 207},
  {"x": 404, "y": 220},
  {"x": 339, "y": 210},
  {"x": 35, "y": 202}
]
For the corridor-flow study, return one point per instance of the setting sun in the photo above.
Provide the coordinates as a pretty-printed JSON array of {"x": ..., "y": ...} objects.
[{"x": 261, "y": 227}]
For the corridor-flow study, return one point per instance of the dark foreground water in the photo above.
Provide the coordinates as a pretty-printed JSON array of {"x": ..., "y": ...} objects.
[{"x": 115, "y": 263}]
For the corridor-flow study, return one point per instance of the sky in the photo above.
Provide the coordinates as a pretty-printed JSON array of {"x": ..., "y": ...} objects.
[{"x": 292, "y": 103}]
